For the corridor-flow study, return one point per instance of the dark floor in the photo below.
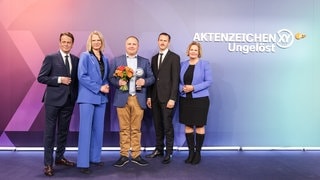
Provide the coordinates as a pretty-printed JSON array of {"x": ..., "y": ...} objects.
[{"x": 256, "y": 165}]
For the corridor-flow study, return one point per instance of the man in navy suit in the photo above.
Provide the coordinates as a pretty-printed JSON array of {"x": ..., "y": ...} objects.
[
  {"x": 163, "y": 95},
  {"x": 59, "y": 73},
  {"x": 131, "y": 103}
]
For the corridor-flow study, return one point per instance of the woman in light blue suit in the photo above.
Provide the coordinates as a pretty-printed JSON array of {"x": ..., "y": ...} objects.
[
  {"x": 195, "y": 80},
  {"x": 92, "y": 99}
]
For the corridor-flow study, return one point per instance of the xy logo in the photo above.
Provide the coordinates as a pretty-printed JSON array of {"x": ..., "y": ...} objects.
[{"x": 285, "y": 38}]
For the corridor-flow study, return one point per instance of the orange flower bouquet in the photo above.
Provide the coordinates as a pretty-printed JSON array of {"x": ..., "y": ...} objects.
[{"x": 125, "y": 73}]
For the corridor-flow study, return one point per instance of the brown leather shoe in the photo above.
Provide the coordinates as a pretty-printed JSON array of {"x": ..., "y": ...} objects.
[
  {"x": 48, "y": 171},
  {"x": 65, "y": 162}
]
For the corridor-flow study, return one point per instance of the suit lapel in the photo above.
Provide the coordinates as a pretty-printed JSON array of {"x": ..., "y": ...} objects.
[
  {"x": 72, "y": 63},
  {"x": 61, "y": 61},
  {"x": 124, "y": 60},
  {"x": 163, "y": 61},
  {"x": 96, "y": 64},
  {"x": 105, "y": 68},
  {"x": 139, "y": 63}
]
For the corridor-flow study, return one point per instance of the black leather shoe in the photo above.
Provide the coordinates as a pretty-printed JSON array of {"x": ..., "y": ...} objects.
[
  {"x": 154, "y": 154},
  {"x": 85, "y": 170},
  {"x": 48, "y": 171},
  {"x": 167, "y": 159},
  {"x": 64, "y": 161},
  {"x": 100, "y": 164}
]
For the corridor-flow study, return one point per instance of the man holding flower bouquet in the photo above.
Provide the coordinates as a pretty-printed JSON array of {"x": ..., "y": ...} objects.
[{"x": 131, "y": 75}]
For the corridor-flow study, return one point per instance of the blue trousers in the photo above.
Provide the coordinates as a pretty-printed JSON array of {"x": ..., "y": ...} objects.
[{"x": 90, "y": 134}]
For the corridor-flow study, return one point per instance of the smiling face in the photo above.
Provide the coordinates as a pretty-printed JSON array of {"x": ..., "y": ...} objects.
[
  {"x": 193, "y": 52},
  {"x": 132, "y": 46},
  {"x": 96, "y": 42},
  {"x": 65, "y": 44}
]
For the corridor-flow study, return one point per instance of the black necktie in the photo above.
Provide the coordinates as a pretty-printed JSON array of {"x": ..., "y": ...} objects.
[
  {"x": 160, "y": 60},
  {"x": 67, "y": 64}
]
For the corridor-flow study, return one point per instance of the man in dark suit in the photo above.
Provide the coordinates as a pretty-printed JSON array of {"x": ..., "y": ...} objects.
[
  {"x": 162, "y": 96},
  {"x": 132, "y": 102},
  {"x": 59, "y": 73}
]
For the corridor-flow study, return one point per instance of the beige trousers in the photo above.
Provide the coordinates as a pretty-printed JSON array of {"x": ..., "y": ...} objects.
[{"x": 130, "y": 118}]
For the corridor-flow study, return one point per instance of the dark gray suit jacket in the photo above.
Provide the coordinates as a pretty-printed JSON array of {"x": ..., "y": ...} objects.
[{"x": 52, "y": 67}]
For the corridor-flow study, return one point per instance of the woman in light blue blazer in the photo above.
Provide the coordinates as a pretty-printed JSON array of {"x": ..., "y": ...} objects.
[
  {"x": 92, "y": 99},
  {"x": 195, "y": 80}
]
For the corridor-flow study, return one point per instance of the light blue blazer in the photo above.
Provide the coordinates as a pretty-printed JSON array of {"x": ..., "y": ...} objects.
[
  {"x": 202, "y": 78},
  {"x": 121, "y": 97},
  {"x": 90, "y": 80}
]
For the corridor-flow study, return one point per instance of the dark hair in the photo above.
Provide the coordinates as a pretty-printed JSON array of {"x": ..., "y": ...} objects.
[
  {"x": 67, "y": 34},
  {"x": 165, "y": 34}
]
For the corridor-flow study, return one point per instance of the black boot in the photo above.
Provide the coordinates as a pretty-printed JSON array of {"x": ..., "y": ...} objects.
[
  {"x": 199, "y": 143},
  {"x": 190, "y": 142}
]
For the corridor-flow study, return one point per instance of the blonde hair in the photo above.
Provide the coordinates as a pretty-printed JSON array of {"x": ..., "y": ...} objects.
[
  {"x": 199, "y": 48},
  {"x": 89, "y": 43}
]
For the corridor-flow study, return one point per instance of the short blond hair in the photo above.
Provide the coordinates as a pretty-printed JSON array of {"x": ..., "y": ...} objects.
[
  {"x": 199, "y": 48},
  {"x": 89, "y": 44}
]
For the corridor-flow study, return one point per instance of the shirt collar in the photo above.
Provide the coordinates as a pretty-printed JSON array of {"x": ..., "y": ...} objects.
[
  {"x": 132, "y": 57},
  {"x": 64, "y": 54},
  {"x": 164, "y": 52}
]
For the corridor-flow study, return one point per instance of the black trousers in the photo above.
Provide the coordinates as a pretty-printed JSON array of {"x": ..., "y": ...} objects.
[{"x": 162, "y": 118}]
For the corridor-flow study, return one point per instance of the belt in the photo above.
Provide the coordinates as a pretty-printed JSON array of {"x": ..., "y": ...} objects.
[{"x": 132, "y": 94}]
